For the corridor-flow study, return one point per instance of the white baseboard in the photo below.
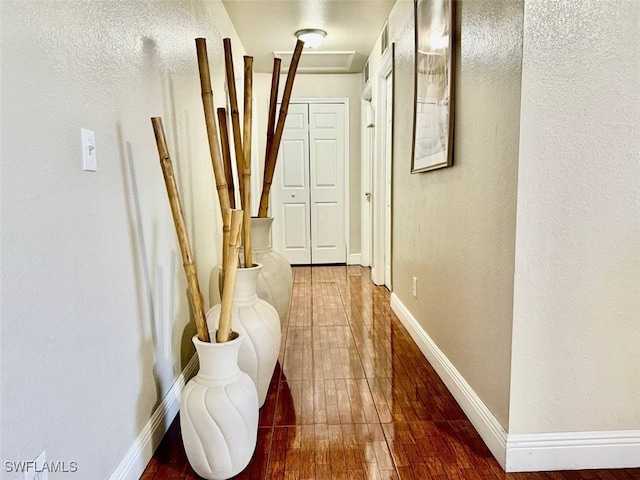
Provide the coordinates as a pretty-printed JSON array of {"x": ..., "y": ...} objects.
[
  {"x": 525, "y": 452},
  {"x": 493, "y": 434},
  {"x": 137, "y": 457},
  {"x": 354, "y": 259},
  {"x": 375, "y": 279},
  {"x": 573, "y": 450}
]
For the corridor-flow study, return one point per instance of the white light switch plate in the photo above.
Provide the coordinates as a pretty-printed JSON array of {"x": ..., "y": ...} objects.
[
  {"x": 35, "y": 470},
  {"x": 89, "y": 160}
]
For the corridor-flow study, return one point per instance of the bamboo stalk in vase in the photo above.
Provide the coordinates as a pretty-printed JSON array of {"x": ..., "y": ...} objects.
[
  {"x": 226, "y": 154},
  {"x": 224, "y": 325},
  {"x": 226, "y": 232},
  {"x": 246, "y": 172},
  {"x": 214, "y": 146},
  {"x": 273, "y": 103},
  {"x": 195, "y": 296},
  {"x": 235, "y": 114},
  {"x": 270, "y": 167}
]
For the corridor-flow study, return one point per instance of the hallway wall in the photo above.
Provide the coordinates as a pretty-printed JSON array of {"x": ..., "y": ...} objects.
[
  {"x": 555, "y": 349},
  {"x": 576, "y": 333},
  {"x": 454, "y": 228},
  {"x": 96, "y": 325}
]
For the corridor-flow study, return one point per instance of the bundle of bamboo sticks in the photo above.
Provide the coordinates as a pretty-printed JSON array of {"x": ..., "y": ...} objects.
[
  {"x": 219, "y": 148},
  {"x": 274, "y": 137},
  {"x": 242, "y": 137},
  {"x": 233, "y": 243}
]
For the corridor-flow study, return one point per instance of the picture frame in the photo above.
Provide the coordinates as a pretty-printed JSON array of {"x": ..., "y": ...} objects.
[{"x": 434, "y": 94}]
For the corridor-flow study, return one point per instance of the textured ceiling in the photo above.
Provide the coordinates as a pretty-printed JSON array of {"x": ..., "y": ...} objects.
[{"x": 268, "y": 26}]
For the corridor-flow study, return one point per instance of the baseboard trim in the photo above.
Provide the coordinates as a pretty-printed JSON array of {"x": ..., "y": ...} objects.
[
  {"x": 573, "y": 450},
  {"x": 354, "y": 259},
  {"x": 525, "y": 452},
  {"x": 137, "y": 457},
  {"x": 491, "y": 431}
]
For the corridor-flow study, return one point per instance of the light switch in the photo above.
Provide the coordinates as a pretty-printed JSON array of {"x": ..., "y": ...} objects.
[{"x": 89, "y": 161}]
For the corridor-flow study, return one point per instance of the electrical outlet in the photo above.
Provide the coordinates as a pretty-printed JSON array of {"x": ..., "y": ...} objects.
[
  {"x": 415, "y": 287},
  {"x": 38, "y": 472}
]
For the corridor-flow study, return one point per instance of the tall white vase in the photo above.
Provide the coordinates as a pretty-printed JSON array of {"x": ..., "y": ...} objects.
[
  {"x": 219, "y": 412},
  {"x": 275, "y": 280},
  {"x": 259, "y": 321}
]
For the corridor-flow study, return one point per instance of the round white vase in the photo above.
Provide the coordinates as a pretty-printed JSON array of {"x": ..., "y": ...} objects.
[
  {"x": 219, "y": 412},
  {"x": 258, "y": 320},
  {"x": 275, "y": 280}
]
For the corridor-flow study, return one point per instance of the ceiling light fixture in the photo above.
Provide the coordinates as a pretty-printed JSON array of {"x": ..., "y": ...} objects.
[{"x": 312, "y": 37}]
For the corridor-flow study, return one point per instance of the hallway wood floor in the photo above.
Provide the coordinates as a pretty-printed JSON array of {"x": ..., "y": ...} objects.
[{"x": 355, "y": 399}]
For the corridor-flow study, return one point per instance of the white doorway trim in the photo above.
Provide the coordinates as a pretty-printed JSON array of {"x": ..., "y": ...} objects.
[
  {"x": 385, "y": 70},
  {"x": 347, "y": 159},
  {"x": 367, "y": 151}
]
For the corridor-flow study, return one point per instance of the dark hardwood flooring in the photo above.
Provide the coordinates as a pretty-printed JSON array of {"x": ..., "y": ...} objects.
[{"x": 353, "y": 398}]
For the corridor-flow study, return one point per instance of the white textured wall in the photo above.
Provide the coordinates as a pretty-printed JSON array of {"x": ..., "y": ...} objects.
[
  {"x": 454, "y": 229},
  {"x": 576, "y": 332},
  {"x": 95, "y": 317},
  {"x": 322, "y": 86}
]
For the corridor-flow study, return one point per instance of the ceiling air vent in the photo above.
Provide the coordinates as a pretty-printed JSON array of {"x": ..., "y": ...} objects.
[{"x": 318, "y": 62}]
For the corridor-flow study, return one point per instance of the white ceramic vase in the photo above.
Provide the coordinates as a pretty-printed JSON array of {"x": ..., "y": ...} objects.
[
  {"x": 219, "y": 412},
  {"x": 275, "y": 280},
  {"x": 258, "y": 320}
]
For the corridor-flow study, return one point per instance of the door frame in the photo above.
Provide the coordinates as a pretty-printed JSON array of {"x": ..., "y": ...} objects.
[
  {"x": 379, "y": 176},
  {"x": 367, "y": 152},
  {"x": 347, "y": 161}
]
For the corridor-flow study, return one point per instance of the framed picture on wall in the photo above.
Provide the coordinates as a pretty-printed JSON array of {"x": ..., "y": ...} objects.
[{"x": 434, "y": 85}]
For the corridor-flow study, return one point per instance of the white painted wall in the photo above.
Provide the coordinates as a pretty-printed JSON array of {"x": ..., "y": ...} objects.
[
  {"x": 576, "y": 326},
  {"x": 95, "y": 317},
  {"x": 454, "y": 229},
  {"x": 321, "y": 86}
]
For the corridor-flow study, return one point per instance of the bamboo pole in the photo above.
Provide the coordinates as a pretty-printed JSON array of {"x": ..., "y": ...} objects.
[
  {"x": 246, "y": 172},
  {"x": 214, "y": 146},
  {"x": 235, "y": 114},
  {"x": 273, "y": 153},
  {"x": 273, "y": 103},
  {"x": 224, "y": 325},
  {"x": 195, "y": 295},
  {"x": 226, "y": 154}
]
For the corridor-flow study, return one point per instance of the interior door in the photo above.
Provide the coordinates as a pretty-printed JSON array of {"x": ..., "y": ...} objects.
[
  {"x": 308, "y": 193},
  {"x": 381, "y": 265},
  {"x": 326, "y": 134},
  {"x": 290, "y": 190}
]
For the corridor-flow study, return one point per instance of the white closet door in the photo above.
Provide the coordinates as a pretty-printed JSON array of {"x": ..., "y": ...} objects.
[
  {"x": 290, "y": 190},
  {"x": 308, "y": 193},
  {"x": 327, "y": 157}
]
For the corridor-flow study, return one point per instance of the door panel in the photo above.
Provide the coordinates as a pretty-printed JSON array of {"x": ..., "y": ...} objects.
[
  {"x": 326, "y": 228},
  {"x": 327, "y": 157},
  {"x": 294, "y": 157},
  {"x": 326, "y": 175},
  {"x": 325, "y": 120},
  {"x": 295, "y": 226},
  {"x": 290, "y": 192}
]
